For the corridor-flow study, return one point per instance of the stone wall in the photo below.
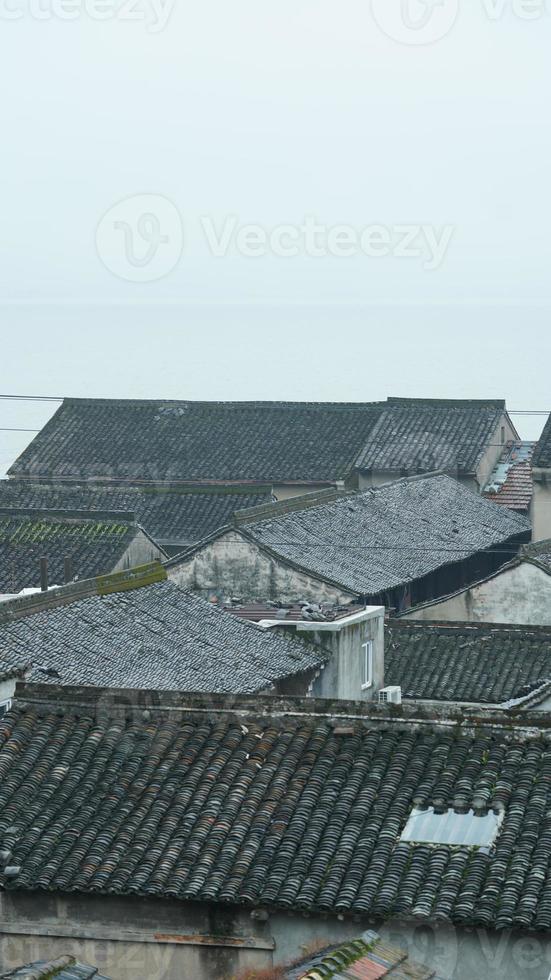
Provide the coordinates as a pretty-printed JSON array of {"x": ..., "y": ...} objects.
[
  {"x": 232, "y": 566},
  {"x": 137, "y": 939},
  {"x": 520, "y": 594}
]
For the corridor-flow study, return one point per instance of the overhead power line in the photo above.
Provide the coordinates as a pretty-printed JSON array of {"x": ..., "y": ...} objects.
[
  {"x": 60, "y": 398},
  {"x": 31, "y": 398}
]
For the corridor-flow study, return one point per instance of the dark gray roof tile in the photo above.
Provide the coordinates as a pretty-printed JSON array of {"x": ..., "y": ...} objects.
[
  {"x": 466, "y": 661},
  {"x": 95, "y": 543},
  {"x": 63, "y": 968},
  {"x": 203, "y": 441},
  {"x": 282, "y": 811},
  {"x": 173, "y": 516},
  {"x": 157, "y": 636},
  {"x": 417, "y": 435},
  {"x": 385, "y": 537}
]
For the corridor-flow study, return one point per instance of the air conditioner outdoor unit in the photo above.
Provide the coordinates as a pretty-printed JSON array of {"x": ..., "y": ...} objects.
[{"x": 390, "y": 695}]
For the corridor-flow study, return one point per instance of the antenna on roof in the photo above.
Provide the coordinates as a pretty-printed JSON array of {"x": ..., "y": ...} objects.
[
  {"x": 43, "y": 574},
  {"x": 67, "y": 569}
]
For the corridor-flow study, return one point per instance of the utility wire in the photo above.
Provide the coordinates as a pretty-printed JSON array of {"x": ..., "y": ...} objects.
[{"x": 60, "y": 398}]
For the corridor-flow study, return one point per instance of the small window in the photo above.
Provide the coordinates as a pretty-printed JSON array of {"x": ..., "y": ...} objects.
[
  {"x": 456, "y": 829},
  {"x": 367, "y": 665},
  {"x": 4, "y": 706},
  {"x": 502, "y": 435}
]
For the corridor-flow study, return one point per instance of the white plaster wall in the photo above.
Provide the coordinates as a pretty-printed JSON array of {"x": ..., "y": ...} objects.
[
  {"x": 140, "y": 551},
  {"x": 342, "y": 676},
  {"x": 541, "y": 510},
  {"x": 236, "y": 567},
  {"x": 7, "y": 689},
  {"x": 520, "y": 595}
]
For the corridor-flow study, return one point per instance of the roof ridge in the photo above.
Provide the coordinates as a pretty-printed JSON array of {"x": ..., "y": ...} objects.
[
  {"x": 291, "y": 505},
  {"x": 319, "y": 498},
  {"x": 62, "y": 595},
  {"x": 112, "y": 516},
  {"x": 449, "y": 402},
  {"x": 464, "y": 625},
  {"x": 162, "y": 402},
  {"x": 281, "y": 709}
]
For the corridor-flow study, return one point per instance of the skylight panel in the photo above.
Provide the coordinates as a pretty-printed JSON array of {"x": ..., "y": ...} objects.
[{"x": 456, "y": 829}]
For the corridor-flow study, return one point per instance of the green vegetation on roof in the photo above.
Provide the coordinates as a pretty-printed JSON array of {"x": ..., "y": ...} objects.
[{"x": 29, "y": 531}]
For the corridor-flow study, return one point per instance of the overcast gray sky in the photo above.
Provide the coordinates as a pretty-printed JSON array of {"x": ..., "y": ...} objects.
[{"x": 211, "y": 117}]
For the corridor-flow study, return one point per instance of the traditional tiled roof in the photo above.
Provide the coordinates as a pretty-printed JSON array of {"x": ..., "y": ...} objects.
[
  {"x": 285, "y": 805},
  {"x": 95, "y": 543},
  {"x": 539, "y": 551},
  {"x": 466, "y": 661},
  {"x": 418, "y": 434},
  {"x": 365, "y": 958},
  {"x": 198, "y": 441},
  {"x": 64, "y": 968},
  {"x": 171, "y": 515},
  {"x": 511, "y": 482},
  {"x": 542, "y": 454},
  {"x": 157, "y": 636},
  {"x": 381, "y": 538}
]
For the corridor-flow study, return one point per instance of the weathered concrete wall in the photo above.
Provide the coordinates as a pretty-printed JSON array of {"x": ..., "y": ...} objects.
[
  {"x": 232, "y": 566},
  {"x": 541, "y": 507},
  {"x": 119, "y": 936},
  {"x": 140, "y": 551},
  {"x": 342, "y": 676},
  {"x": 113, "y": 933},
  {"x": 521, "y": 594}
]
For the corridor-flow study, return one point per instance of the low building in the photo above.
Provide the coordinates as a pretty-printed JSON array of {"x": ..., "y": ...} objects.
[
  {"x": 511, "y": 482},
  {"x": 541, "y": 471},
  {"x": 138, "y": 630},
  {"x": 354, "y": 637},
  {"x": 200, "y": 840},
  {"x": 470, "y": 663},
  {"x": 290, "y": 447},
  {"x": 518, "y": 593},
  {"x": 395, "y": 545},
  {"x": 93, "y": 544},
  {"x": 175, "y": 517},
  {"x": 420, "y": 435}
]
